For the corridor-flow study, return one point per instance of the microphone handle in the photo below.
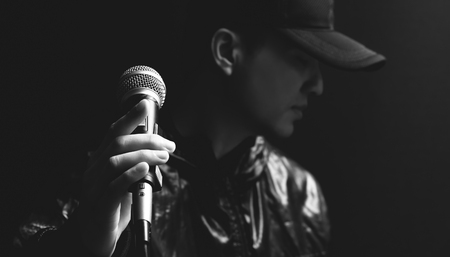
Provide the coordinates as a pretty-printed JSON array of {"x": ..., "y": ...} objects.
[
  {"x": 143, "y": 189},
  {"x": 142, "y": 215}
]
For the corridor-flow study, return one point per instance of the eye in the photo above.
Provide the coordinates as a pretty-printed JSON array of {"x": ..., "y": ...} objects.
[
  {"x": 300, "y": 58},
  {"x": 300, "y": 61}
]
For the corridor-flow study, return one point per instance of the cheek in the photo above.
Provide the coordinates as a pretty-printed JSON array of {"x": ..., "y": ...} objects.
[
  {"x": 262, "y": 97},
  {"x": 268, "y": 113},
  {"x": 267, "y": 89},
  {"x": 272, "y": 95},
  {"x": 271, "y": 102}
]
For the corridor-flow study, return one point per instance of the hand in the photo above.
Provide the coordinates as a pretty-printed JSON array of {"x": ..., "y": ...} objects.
[{"x": 122, "y": 159}]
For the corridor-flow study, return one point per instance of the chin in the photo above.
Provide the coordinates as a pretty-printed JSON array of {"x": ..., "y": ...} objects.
[
  {"x": 280, "y": 128},
  {"x": 283, "y": 131}
]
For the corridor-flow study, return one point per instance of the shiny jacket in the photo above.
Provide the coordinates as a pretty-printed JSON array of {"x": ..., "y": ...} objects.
[{"x": 253, "y": 202}]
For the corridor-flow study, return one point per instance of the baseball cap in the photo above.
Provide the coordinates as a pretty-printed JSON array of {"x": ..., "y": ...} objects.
[{"x": 309, "y": 23}]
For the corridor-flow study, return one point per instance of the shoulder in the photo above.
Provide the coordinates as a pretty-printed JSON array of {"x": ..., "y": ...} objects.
[
  {"x": 288, "y": 175},
  {"x": 281, "y": 165},
  {"x": 295, "y": 189}
]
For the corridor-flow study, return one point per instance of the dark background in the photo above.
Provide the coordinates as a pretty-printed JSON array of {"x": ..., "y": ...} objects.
[{"x": 377, "y": 142}]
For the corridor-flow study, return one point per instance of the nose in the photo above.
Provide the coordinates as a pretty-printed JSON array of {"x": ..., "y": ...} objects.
[{"x": 315, "y": 83}]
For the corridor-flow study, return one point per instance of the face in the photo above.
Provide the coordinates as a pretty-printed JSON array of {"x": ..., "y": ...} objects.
[{"x": 274, "y": 83}]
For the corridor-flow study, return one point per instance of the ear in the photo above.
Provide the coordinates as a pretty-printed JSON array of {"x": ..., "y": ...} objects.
[{"x": 226, "y": 47}]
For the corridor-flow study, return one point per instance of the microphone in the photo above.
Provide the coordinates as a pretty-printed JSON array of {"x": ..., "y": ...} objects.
[{"x": 137, "y": 83}]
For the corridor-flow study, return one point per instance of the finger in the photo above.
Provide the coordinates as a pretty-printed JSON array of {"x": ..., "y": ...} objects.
[
  {"x": 125, "y": 211},
  {"x": 98, "y": 171},
  {"x": 135, "y": 142},
  {"x": 118, "y": 188},
  {"x": 125, "y": 125},
  {"x": 123, "y": 162},
  {"x": 100, "y": 175}
]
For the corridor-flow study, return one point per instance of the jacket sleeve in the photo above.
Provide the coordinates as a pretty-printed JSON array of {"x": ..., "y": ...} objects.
[{"x": 52, "y": 230}]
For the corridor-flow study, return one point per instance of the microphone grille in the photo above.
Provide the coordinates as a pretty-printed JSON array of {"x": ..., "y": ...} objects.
[{"x": 141, "y": 77}]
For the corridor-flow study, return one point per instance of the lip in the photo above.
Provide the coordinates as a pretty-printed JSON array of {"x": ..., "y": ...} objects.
[{"x": 298, "y": 109}]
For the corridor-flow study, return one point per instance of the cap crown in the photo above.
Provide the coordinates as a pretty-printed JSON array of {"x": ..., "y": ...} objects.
[{"x": 314, "y": 14}]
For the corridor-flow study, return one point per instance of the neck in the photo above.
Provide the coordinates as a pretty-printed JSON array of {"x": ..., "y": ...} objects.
[
  {"x": 224, "y": 131},
  {"x": 214, "y": 119}
]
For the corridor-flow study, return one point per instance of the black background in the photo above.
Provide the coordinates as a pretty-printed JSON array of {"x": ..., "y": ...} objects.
[{"x": 377, "y": 142}]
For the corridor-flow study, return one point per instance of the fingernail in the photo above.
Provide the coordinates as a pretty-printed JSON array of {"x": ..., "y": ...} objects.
[
  {"x": 170, "y": 146},
  {"x": 139, "y": 106},
  {"x": 163, "y": 155}
]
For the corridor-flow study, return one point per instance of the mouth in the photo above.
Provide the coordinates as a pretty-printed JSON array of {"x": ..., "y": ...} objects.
[{"x": 298, "y": 109}]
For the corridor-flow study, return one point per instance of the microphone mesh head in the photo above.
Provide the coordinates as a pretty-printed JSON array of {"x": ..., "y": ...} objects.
[{"x": 141, "y": 77}]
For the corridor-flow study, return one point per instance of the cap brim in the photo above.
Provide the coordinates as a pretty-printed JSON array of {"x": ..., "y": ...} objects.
[{"x": 336, "y": 49}]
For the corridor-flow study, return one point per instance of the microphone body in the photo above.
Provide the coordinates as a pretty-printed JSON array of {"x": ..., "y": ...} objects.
[
  {"x": 136, "y": 84},
  {"x": 143, "y": 189}
]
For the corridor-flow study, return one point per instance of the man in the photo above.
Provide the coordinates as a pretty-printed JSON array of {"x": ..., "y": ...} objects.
[{"x": 226, "y": 190}]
